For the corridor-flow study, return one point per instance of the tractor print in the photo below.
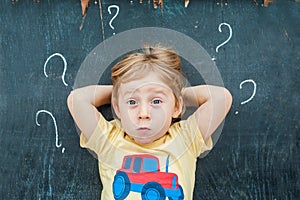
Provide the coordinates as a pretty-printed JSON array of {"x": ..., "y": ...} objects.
[{"x": 141, "y": 173}]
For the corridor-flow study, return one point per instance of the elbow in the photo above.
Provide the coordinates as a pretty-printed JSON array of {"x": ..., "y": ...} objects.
[
  {"x": 70, "y": 100},
  {"x": 228, "y": 99}
]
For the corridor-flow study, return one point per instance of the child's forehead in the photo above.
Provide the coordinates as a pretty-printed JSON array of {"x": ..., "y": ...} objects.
[
  {"x": 153, "y": 87},
  {"x": 145, "y": 79}
]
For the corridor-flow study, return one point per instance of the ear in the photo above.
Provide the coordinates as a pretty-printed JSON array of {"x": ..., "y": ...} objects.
[
  {"x": 116, "y": 108},
  {"x": 178, "y": 108}
]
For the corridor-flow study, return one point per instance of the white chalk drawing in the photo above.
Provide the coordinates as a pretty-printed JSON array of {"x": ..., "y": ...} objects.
[
  {"x": 226, "y": 4},
  {"x": 116, "y": 14},
  {"x": 254, "y": 90},
  {"x": 253, "y": 93},
  {"x": 65, "y": 66},
  {"x": 55, "y": 126},
  {"x": 227, "y": 40}
]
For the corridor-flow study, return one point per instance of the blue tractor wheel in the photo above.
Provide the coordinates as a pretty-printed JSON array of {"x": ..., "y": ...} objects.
[
  {"x": 153, "y": 191},
  {"x": 121, "y": 186},
  {"x": 181, "y": 197}
]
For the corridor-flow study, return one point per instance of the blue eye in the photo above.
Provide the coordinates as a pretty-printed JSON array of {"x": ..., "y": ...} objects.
[
  {"x": 156, "y": 101},
  {"x": 131, "y": 102}
]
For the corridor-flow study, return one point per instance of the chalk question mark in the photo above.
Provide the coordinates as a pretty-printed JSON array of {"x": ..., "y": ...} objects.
[
  {"x": 65, "y": 66},
  {"x": 116, "y": 14},
  {"x": 55, "y": 126},
  {"x": 227, "y": 40},
  {"x": 253, "y": 93}
]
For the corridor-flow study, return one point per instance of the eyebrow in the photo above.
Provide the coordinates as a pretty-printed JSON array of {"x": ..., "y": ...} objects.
[
  {"x": 157, "y": 91},
  {"x": 160, "y": 91}
]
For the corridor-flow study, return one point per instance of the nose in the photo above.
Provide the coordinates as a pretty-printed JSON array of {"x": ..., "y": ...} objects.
[{"x": 144, "y": 112}]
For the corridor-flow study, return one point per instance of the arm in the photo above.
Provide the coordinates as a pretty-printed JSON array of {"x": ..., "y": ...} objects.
[
  {"x": 214, "y": 103},
  {"x": 83, "y": 103}
]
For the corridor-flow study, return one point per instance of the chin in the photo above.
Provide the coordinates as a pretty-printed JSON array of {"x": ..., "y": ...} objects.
[{"x": 143, "y": 141}]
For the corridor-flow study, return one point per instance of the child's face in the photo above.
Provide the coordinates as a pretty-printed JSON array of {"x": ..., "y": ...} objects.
[{"x": 146, "y": 107}]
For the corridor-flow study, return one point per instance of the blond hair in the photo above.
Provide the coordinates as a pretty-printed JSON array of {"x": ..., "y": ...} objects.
[{"x": 163, "y": 61}]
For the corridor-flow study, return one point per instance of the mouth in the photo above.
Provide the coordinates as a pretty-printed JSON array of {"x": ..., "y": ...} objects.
[{"x": 143, "y": 129}]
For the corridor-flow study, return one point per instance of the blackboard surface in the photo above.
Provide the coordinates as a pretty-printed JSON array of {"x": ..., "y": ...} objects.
[{"x": 257, "y": 155}]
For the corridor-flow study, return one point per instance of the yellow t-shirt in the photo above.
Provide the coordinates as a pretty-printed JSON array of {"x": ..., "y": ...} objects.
[{"x": 165, "y": 167}]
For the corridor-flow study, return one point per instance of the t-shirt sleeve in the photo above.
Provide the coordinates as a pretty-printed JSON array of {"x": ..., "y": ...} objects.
[
  {"x": 99, "y": 137},
  {"x": 193, "y": 136}
]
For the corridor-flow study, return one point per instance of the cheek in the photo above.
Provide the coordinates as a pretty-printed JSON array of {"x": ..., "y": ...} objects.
[
  {"x": 161, "y": 121},
  {"x": 160, "y": 115},
  {"x": 127, "y": 114},
  {"x": 168, "y": 110}
]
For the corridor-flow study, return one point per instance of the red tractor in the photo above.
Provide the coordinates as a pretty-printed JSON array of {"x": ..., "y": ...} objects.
[{"x": 141, "y": 173}]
